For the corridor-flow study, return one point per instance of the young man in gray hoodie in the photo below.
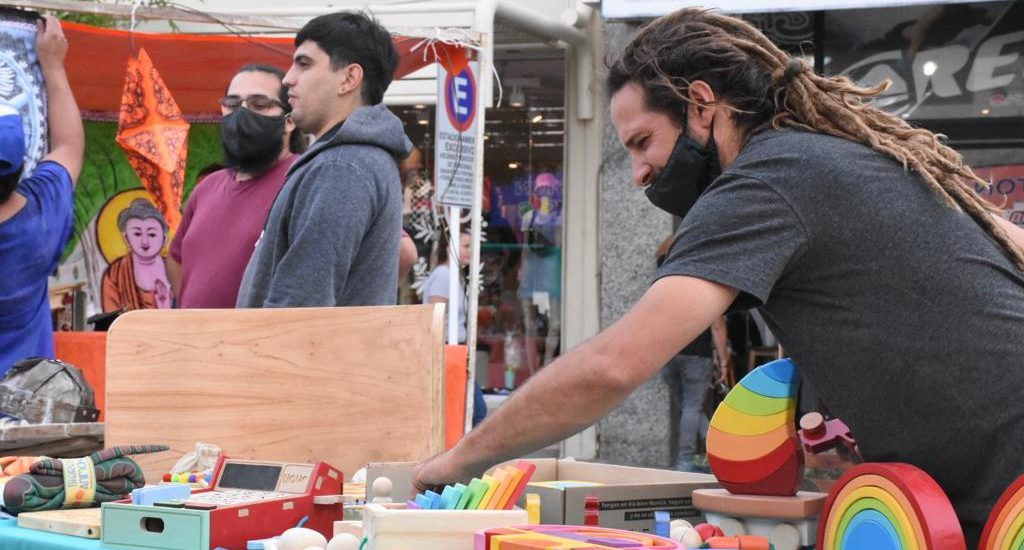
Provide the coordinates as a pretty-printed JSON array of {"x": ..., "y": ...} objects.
[{"x": 332, "y": 236}]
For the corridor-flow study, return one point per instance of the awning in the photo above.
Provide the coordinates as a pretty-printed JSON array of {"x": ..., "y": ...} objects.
[{"x": 196, "y": 68}]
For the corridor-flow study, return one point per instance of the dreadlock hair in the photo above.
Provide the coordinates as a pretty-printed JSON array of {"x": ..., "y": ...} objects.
[{"x": 764, "y": 87}]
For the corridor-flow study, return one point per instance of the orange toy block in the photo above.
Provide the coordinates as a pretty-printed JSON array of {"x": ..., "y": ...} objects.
[
  {"x": 515, "y": 475},
  {"x": 490, "y": 500},
  {"x": 528, "y": 468}
]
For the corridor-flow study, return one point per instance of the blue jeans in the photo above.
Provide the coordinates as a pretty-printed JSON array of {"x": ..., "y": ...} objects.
[
  {"x": 479, "y": 407},
  {"x": 695, "y": 375}
]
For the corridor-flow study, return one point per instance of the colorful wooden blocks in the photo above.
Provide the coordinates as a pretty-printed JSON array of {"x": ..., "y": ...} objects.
[{"x": 499, "y": 491}]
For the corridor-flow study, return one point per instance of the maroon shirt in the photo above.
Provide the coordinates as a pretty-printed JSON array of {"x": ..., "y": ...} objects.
[{"x": 218, "y": 233}]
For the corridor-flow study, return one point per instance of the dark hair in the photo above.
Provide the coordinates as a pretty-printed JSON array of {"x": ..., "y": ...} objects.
[
  {"x": 9, "y": 183},
  {"x": 764, "y": 87},
  {"x": 355, "y": 37},
  {"x": 296, "y": 142},
  {"x": 443, "y": 245},
  {"x": 140, "y": 209}
]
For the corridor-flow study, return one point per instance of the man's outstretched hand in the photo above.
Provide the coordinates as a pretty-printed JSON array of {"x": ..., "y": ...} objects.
[{"x": 442, "y": 469}]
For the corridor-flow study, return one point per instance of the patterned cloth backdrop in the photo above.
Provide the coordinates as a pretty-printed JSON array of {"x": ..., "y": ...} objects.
[{"x": 21, "y": 79}]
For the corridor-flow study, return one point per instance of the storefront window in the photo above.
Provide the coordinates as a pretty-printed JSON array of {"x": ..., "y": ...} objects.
[
  {"x": 947, "y": 61},
  {"x": 520, "y": 304}
]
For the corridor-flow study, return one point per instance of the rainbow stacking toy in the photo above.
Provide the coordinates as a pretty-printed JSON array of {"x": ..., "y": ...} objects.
[
  {"x": 752, "y": 443},
  {"x": 889, "y": 506},
  {"x": 1005, "y": 527},
  {"x": 558, "y": 537}
]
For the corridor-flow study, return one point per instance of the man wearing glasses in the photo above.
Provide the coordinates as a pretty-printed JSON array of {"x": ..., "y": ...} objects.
[
  {"x": 227, "y": 209},
  {"x": 332, "y": 237}
]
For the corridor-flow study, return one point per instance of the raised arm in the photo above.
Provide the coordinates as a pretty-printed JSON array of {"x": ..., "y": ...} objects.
[
  {"x": 589, "y": 381},
  {"x": 67, "y": 137}
]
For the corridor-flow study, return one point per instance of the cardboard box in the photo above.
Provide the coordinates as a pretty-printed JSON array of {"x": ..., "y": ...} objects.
[{"x": 629, "y": 495}]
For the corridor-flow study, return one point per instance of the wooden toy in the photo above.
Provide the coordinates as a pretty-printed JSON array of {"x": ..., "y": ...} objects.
[
  {"x": 555, "y": 537},
  {"x": 682, "y": 532},
  {"x": 343, "y": 541},
  {"x": 299, "y": 538},
  {"x": 1004, "y": 529},
  {"x": 499, "y": 491},
  {"x": 354, "y": 528},
  {"x": 752, "y": 442},
  {"x": 741, "y": 542},
  {"x": 83, "y": 522},
  {"x": 888, "y": 506},
  {"x": 661, "y": 524},
  {"x": 819, "y": 435},
  {"x": 390, "y": 529},
  {"x": 788, "y": 523},
  {"x": 249, "y": 500},
  {"x": 592, "y": 511},
  {"x": 533, "y": 508},
  {"x": 708, "y": 530},
  {"x": 754, "y": 450},
  {"x": 381, "y": 490},
  {"x": 159, "y": 493}
]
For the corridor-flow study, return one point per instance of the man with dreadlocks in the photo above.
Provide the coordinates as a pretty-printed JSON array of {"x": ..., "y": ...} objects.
[{"x": 892, "y": 285}]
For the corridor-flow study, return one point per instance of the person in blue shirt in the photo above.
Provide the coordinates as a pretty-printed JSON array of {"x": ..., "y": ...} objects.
[{"x": 36, "y": 211}]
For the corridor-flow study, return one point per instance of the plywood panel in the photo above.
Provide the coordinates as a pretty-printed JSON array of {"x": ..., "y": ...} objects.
[
  {"x": 344, "y": 385},
  {"x": 83, "y": 523}
]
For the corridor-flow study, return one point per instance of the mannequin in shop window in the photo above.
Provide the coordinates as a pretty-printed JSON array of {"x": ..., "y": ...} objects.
[{"x": 540, "y": 286}]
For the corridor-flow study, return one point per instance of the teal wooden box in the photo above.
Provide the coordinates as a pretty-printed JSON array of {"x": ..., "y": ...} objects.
[{"x": 134, "y": 527}]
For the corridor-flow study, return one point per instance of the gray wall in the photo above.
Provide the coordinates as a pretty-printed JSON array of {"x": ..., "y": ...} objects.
[{"x": 640, "y": 431}]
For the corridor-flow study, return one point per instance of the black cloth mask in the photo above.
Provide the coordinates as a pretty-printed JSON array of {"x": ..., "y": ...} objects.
[
  {"x": 252, "y": 142},
  {"x": 690, "y": 170}
]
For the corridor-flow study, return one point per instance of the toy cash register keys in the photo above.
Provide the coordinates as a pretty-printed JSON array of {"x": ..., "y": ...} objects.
[{"x": 249, "y": 500}]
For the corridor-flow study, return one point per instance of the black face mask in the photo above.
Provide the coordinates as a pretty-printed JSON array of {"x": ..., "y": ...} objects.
[
  {"x": 689, "y": 171},
  {"x": 252, "y": 143}
]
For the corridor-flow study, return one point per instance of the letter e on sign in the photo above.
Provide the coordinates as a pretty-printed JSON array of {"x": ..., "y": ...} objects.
[{"x": 460, "y": 99}]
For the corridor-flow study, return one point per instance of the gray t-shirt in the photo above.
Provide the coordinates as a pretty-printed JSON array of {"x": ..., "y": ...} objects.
[
  {"x": 904, "y": 315},
  {"x": 436, "y": 284}
]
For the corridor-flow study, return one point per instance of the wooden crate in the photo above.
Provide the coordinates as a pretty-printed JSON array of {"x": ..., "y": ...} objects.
[{"x": 343, "y": 385}]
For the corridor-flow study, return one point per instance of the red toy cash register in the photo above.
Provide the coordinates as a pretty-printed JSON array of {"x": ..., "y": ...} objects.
[{"x": 248, "y": 500}]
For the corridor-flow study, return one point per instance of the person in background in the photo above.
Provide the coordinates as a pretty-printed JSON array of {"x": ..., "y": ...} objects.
[
  {"x": 435, "y": 291},
  {"x": 36, "y": 211},
  {"x": 208, "y": 256},
  {"x": 330, "y": 236},
  {"x": 406, "y": 255},
  {"x": 895, "y": 288}
]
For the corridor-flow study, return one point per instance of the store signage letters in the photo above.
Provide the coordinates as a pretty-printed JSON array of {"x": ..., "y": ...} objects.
[{"x": 937, "y": 68}]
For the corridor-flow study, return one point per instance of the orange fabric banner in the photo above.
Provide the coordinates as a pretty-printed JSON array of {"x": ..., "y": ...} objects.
[
  {"x": 196, "y": 68},
  {"x": 154, "y": 136}
]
